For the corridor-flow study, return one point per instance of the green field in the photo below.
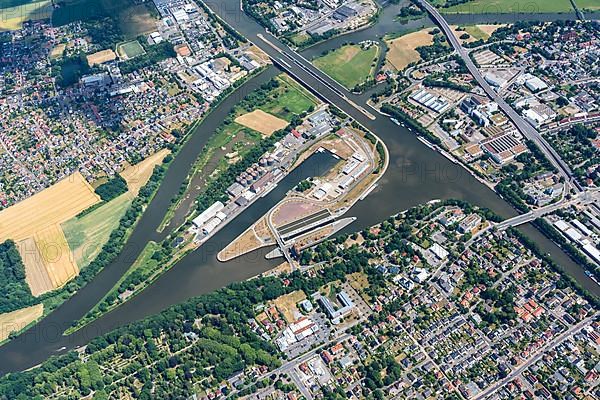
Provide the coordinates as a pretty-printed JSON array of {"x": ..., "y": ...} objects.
[
  {"x": 591, "y": 5},
  {"x": 14, "y": 3},
  {"x": 87, "y": 234},
  {"x": 130, "y": 50},
  {"x": 299, "y": 39},
  {"x": 512, "y": 6},
  {"x": 288, "y": 99},
  {"x": 476, "y": 32},
  {"x": 350, "y": 65},
  {"x": 87, "y": 10}
]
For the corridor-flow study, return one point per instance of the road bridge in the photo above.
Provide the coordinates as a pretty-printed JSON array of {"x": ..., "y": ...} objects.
[{"x": 582, "y": 198}]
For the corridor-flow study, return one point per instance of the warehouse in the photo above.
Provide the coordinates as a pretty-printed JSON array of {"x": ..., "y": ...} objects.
[
  {"x": 207, "y": 214},
  {"x": 535, "y": 84},
  {"x": 431, "y": 101}
]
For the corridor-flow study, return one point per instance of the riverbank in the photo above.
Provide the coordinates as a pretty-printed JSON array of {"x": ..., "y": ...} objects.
[{"x": 279, "y": 97}]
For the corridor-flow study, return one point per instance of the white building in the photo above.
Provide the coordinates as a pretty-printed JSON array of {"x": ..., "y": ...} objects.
[
  {"x": 439, "y": 251},
  {"x": 535, "y": 84},
  {"x": 208, "y": 214}
]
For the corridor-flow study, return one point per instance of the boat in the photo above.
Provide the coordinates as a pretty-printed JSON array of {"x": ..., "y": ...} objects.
[
  {"x": 394, "y": 120},
  {"x": 365, "y": 194}
]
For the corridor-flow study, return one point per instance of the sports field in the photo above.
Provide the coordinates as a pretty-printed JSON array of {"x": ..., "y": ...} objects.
[
  {"x": 262, "y": 122},
  {"x": 101, "y": 57},
  {"x": 512, "y": 6},
  {"x": 350, "y": 65},
  {"x": 53, "y": 205},
  {"x": 129, "y": 50},
  {"x": 14, "y": 13},
  {"x": 19, "y": 319},
  {"x": 401, "y": 50}
]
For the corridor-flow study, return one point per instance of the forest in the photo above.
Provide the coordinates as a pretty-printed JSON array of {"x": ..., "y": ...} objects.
[
  {"x": 115, "y": 187},
  {"x": 15, "y": 290}
]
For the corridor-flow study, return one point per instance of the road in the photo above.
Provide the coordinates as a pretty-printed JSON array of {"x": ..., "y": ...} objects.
[
  {"x": 585, "y": 197},
  {"x": 548, "y": 346},
  {"x": 525, "y": 128}
]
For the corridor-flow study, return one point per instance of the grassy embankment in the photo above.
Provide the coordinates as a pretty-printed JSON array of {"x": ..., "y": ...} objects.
[
  {"x": 143, "y": 265},
  {"x": 588, "y": 5}
]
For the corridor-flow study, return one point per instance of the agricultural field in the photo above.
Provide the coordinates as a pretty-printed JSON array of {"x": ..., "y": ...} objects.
[
  {"x": 36, "y": 274},
  {"x": 54, "y": 205},
  {"x": 14, "y": 12},
  {"x": 482, "y": 31},
  {"x": 588, "y": 5},
  {"x": 137, "y": 175},
  {"x": 401, "y": 50},
  {"x": 512, "y": 6},
  {"x": 350, "y": 65},
  {"x": 87, "y": 10},
  {"x": 16, "y": 320},
  {"x": 475, "y": 32},
  {"x": 262, "y": 122},
  {"x": 137, "y": 20},
  {"x": 56, "y": 257},
  {"x": 129, "y": 50},
  {"x": 87, "y": 234}
]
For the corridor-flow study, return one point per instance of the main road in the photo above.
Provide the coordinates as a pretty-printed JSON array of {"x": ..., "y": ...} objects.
[
  {"x": 525, "y": 128},
  {"x": 582, "y": 198}
]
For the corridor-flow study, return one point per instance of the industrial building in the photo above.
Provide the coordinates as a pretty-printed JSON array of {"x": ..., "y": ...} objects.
[
  {"x": 430, "y": 100},
  {"x": 295, "y": 332},
  {"x": 208, "y": 214},
  {"x": 535, "y": 84},
  {"x": 503, "y": 148}
]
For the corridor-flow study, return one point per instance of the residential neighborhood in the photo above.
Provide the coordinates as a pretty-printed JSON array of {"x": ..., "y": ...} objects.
[{"x": 117, "y": 110}]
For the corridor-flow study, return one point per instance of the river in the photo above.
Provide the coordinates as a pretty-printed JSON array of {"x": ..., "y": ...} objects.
[{"x": 416, "y": 175}]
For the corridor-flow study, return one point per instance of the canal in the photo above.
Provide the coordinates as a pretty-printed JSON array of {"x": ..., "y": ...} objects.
[{"x": 416, "y": 175}]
